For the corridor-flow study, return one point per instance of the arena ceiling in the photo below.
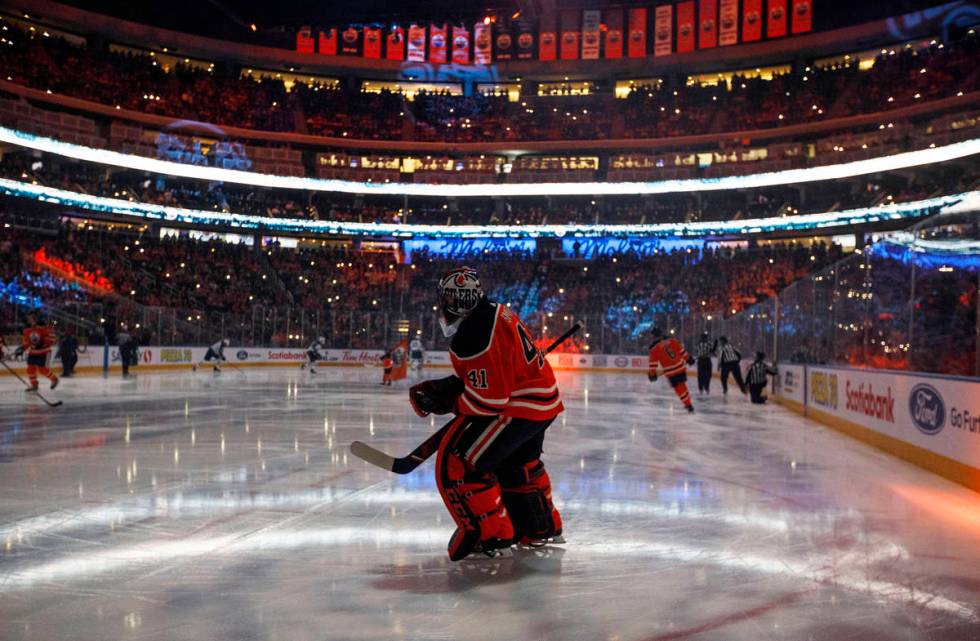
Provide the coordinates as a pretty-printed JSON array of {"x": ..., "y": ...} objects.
[{"x": 232, "y": 19}]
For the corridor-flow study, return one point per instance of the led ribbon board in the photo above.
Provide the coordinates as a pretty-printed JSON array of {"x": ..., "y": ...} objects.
[
  {"x": 770, "y": 179},
  {"x": 149, "y": 212}
]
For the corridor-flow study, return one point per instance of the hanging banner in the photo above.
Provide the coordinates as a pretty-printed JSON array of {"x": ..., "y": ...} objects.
[
  {"x": 548, "y": 40},
  {"x": 525, "y": 39},
  {"x": 350, "y": 41},
  {"x": 372, "y": 42},
  {"x": 613, "y": 41},
  {"x": 637, "y": 45},
  {"x": 327, "y": 45},
  {"x": 503, "y": 42},
  {"x": 802, "y": 16},
  {"x": 708, "y": 24},
  {"x": 776, "y": 19},
  {"x": 685, "y": 26},
  {"x": 395, "y": 46},
  {"x": 728, "y": 23},
  {"x": 304, "y": 40},
  {"x": 751, "y": 20},
  {"x": 461, "y": 45},
  {"x": 416, "y": 43},
  {"x": 438, "y": 43},
  {"x": 663, "y": 30},
  {"x": 569, "y": 34},
  {"x": 590, "y": 35},
  {"x": 482, "y": 46}
]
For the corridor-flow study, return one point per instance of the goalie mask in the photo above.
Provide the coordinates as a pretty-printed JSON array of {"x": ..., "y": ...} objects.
[{"x": 459, "y": 293}]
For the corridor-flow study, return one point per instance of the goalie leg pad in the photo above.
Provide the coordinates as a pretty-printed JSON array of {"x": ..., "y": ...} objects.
[
  {"x": 472, "y": 497},
  {"x": 527, "y": 496}
]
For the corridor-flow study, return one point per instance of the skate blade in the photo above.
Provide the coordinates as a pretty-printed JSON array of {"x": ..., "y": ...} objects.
[{"x": 540, "y": 543}]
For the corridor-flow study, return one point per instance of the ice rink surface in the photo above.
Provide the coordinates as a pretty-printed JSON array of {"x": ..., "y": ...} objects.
[{"x": 199, "y": 507}]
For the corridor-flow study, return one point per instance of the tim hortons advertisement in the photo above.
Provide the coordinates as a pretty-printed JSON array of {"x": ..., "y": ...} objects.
[{"x": 939, "y": 414}]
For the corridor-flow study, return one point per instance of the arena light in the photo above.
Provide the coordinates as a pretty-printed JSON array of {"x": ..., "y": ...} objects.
[
  {"x": 216, "y": 174},
  {"x": 265, "y": 224}
]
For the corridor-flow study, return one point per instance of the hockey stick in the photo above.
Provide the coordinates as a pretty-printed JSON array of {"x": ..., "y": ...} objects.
[
  {"x": 406, "y": 464},
  {"x": 46, "y": 401}
]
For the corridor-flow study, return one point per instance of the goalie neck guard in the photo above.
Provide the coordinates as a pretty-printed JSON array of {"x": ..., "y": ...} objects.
[{"x": 459, "y": 293}]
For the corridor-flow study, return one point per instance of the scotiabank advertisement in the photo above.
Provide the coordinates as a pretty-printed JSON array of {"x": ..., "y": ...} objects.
[{"x": 937, "y": 413}]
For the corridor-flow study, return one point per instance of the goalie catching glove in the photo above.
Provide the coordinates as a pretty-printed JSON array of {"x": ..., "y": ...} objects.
[{"x": 436, "y": 396}]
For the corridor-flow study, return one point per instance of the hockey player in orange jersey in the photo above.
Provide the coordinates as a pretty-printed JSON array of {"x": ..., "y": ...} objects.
[
  {"x": 38, "y": 340},
  {"x": 504, "y": 395},
  {"x": 668, "y": 353}
]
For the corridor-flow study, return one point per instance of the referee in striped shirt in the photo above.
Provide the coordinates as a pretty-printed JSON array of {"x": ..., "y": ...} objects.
[
  {"x": 703, "y": 351},
  {"x": 730, "y": 360},
  {"x": 759, "y": 377}
]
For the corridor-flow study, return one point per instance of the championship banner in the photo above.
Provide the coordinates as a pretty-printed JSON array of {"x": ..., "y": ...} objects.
[
  {"x": 372, "y": 42},
  {"x": 776, "y": 19},
  {"x": 503, "y": 42},
  {"x": 590, "y": 35},
  {"x": 728, "y": 23},
  {"x": 802, "y": 16},
  {"x": 613, "y": 41},
  {"x": 395, "y": 45},
  {"x": 416, "y": 43},
  {"x": 327, "y": 45},
  {"x": 304, "y": 40},
  {"x": 350, "y": 41},
  {"x": 663, "y": 30},
  {"x": 708, "y": 24},
  {"x": 569, "y": 34},
  {"x": 525, "y": 39},
  {"x": 637, "y": 45},
  {"x": 685, "y": 26},
  {"x": 548, "y": 40},
  {"x": 482, "y": 46},
  {"x": 751, "y": 20},
  {"x": 461, "y": 45},
  {"x": 437, "y": 43}
]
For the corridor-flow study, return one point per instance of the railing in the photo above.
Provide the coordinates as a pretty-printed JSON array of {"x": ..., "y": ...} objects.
[{"x": 907, "y": 302}]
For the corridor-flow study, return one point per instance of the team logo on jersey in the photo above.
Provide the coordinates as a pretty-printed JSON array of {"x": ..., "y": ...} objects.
[
  {"x": 613, "y": 37},
  {"x": 751, "y": 17},
  {"x": 801, "y": 9},
  {"x": 547, "y": 39},
  {"x": 708, "y": 26},
  {"x": 685, "y": 29},
  {"x": 777, "y": 13},
  {"x": 927, "y": 409}
]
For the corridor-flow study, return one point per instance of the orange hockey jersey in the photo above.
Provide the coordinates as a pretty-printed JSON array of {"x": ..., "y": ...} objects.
[
  {"x": 38, "y": 340},
  {"x": 503, "y": 371},
  {"x": 669, "y": 354}
]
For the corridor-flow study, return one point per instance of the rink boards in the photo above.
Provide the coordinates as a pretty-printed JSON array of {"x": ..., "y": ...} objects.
[
  {"x": 932, "y": 421},
  {"x": 154, "y": 357}
]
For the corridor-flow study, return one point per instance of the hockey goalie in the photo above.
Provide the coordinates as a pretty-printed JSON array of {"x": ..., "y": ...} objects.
[{"x": 504, "y": 395}]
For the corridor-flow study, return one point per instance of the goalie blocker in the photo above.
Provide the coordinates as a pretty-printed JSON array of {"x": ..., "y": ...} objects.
[{"x": 504, "y": 396}]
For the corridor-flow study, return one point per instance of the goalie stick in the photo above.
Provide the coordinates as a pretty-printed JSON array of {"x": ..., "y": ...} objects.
[
  {"x": 46, "y": 401},
  {"x": 406, "y": 464}
]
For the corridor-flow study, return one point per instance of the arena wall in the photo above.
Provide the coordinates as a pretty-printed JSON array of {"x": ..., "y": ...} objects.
[{"x": 932, "y": 421}]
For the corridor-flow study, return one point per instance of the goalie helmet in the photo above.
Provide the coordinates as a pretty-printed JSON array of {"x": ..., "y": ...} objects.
[
  {"x": 225, "y": 342},
  {"x": 459, "y": 294},
  {"x": 321, "y": 339}
]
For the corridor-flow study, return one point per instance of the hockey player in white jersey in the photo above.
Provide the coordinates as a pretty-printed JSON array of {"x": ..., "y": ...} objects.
[
  {"x": 313, "y": 354},
  {"x": 416, "y": 354},
  {"x": 216, "y": 353}
]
